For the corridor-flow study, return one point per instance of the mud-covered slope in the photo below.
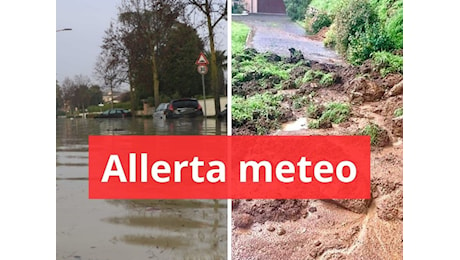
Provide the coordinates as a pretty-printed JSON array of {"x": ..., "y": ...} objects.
[{"x": 334, "y": 229}]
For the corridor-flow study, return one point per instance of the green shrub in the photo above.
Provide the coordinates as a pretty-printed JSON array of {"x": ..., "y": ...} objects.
[
  {"x": 296, "y": 9},
  {"x": 106, "y": 106},
  {"x": 390, "y": 13},
  {"x": 331, "y": 37},
  {"x": 328, "y": 6},
  {"x": 359, "y": 32},
  {"x": 387, "y": 62},
  {"x": 321, "y": 20},
  {"x": 394, "y": 29},
  {"x": 237, "y": 8}
]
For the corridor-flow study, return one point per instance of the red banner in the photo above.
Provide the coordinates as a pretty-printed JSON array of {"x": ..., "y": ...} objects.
[{"x": 221, "y": 167}]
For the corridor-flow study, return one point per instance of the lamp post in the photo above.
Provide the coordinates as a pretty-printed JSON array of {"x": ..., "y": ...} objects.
[{"x": 64, "y": 29}]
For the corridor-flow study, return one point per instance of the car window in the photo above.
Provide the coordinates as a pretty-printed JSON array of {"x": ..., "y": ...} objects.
[
  {"x": 185, "y": 103},
  {"x": 162, "y": 106}
]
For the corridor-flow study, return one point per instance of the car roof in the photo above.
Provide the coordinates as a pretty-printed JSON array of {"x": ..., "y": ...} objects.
[{"x": 184, "y": 99}]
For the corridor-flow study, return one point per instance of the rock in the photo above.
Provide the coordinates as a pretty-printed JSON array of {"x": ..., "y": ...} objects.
[
  {"x": 317, "y": 243},
  {"x": 243, "y": 220},
  {"x": 271, "y": 228},
  {"x": 382, "y": 139},
  {"x": 272, "y": 57},
  {"x": 364, "y": 90},
  {"x": 312, "y": 209},
  {"x": 397, "y": 126},
  {"x": 325, "y": 124},
  {"x": 396, "y": 90},
  {"x": 281, "y": 231},
  {"x": 296, "y": 56}
]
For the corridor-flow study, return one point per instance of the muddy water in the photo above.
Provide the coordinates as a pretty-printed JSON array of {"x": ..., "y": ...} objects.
[{"x": 131, "y": 229}]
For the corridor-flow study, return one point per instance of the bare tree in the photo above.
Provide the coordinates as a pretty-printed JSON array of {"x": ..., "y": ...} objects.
[
  {"x": 214, "y": 11},
  {"x": 111, "y": 66},
  {"x": 79, "y": 93}
]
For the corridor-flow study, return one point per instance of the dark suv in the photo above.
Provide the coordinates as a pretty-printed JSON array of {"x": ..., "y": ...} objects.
[{"x": 184, "y": 107}]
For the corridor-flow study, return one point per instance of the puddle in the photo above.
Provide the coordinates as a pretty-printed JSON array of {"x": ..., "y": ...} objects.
[{"x": 299, "y": 124}]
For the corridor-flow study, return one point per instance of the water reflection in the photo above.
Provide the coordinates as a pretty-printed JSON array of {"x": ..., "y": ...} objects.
[{"x": 131, "y": 229}]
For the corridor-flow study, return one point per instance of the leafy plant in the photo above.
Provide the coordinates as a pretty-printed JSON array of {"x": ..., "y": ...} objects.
[
  {"x": 387, "y": 62},
  {"x": 398, "y": 112},
  {"x": 320, "y": 21},
  {"x": 296, "y": 9},
  {"x": 326, "y": 80}
]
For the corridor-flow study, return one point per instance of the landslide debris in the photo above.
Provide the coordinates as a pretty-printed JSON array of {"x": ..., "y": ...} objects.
[{"x": 332, "y": 100}]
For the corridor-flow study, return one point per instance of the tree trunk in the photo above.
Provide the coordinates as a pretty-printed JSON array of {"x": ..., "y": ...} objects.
[
  {"x": 213, "y": 69},
  {"x": 132, "y": 94},
  {"x": 156, "y": 82}
]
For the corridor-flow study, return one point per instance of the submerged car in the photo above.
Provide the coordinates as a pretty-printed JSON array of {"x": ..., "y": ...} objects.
[
  {"x": 115, "y": 113},
  {"x": 160, "y": 112},
  {"x": 184, "y": 107},
  {"x": 223, "y": 113}
]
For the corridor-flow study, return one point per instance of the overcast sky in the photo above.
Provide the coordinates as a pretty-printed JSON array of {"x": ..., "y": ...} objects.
[{"x": 77, "y": 50}]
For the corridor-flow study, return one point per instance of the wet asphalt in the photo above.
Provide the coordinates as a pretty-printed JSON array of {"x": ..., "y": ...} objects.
[{"x": 277, "y": 34}]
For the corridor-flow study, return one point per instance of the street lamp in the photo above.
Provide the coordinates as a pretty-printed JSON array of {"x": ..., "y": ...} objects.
[{"x": 65, "y": 29}]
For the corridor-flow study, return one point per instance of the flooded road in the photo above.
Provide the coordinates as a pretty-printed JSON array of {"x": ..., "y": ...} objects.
[{"x": 131, "y": 229}]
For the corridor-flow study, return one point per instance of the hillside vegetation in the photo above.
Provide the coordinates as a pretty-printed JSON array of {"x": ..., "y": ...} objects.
[{"x": 358, "y": 29}]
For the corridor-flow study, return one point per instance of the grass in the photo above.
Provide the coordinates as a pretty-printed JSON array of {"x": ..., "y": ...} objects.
[
  {"x": 328, "y": 6},
  {"x": 239, "y": 34},
  {"x": 372, "y": 130},
  {"x": 324, "y": 79},
  {"x": 387, "y": 62},
  {"x": 334, "y": 113},
  {"x": 398, "y": 112},
  {"x": 258, "y": 67},
  {"x": 256, "y": 106}
]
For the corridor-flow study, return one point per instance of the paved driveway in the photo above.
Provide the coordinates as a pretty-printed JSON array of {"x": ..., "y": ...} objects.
[{"x": 277, "y": 33}]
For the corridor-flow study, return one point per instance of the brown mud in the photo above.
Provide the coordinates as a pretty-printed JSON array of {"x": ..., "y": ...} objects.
[{"x": 333, "y": 229}]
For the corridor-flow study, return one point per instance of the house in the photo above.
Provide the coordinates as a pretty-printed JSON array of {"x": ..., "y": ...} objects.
[
  {"x": 107, "y": 97},
  {"x": 265, "y": 6}
]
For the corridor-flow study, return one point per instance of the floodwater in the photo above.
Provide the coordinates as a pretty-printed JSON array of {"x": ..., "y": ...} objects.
[{"x": 131, "y": 229}]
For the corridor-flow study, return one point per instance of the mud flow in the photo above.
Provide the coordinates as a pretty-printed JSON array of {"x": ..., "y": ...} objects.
[{"x": 322, "y": 229}]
